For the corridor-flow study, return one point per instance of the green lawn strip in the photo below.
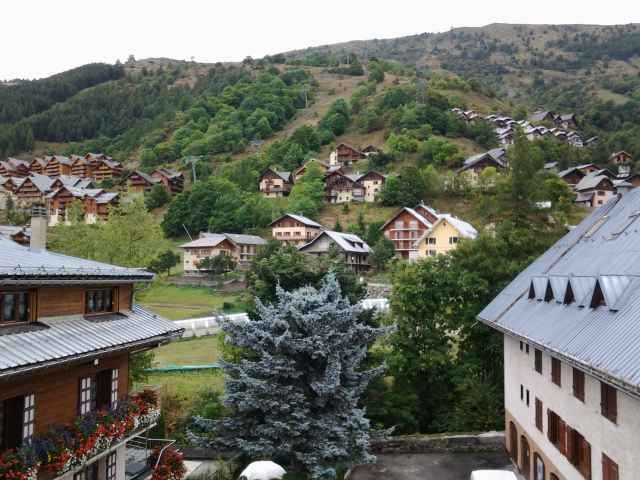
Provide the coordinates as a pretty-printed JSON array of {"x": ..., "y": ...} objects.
[{"x": 197, "y": 351}]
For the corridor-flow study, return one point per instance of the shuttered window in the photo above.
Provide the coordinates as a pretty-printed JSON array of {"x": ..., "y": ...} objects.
[
  {"x": 578, "y": 384},
  {"x": 87, "y": 395},
  {"x": 609, "y": 469},
  {"x": 556, "y": 372},
  {"x": 17, "y": 421},
  {"x": 111, "y": 466},
  {"x": 539, "y": 414},
  {"x": 557, "y": 431},
  {"x": 100, "y": 301},
  {"x": 538, "y": 361},
  {"x": 609, "y": 402},
  {"x": 114, "y": 387},
  {"x": 15, "y": 307}
]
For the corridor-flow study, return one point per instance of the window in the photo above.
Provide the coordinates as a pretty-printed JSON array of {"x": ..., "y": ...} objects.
[
  {"x": 556, "y": 372},
  {"x": 527, "y": 398},
  {"x": 87, "y": 400},
  {"x": 538, "y": 467},
  {"x": 17, "y": 421},
  {"x": 111, "y": 466},
  {"x": 578, "y": 384},
  {"x": 579, "y": 452},
  {"x": 453, "y": 240},
  {"x": 539, "y": 414},
  {"x": 15, "y": 307},
  {"x": 432, "y": 253},
  {"x": 609, "y": 469},
  {"x": 609, "y": 402},
  {"x": 431, "y": 241},
  {"x": 538, "y": 361},
  {"x": 556, "y": 431},
  {"x": 526, "y": 348},
  {"x": 522, "y": 392},
  {"x": 114, "y": 388},
  {"x": 28, "y": 417},
  {"x": 521, "y": 346},
  {"x": 553, "y": 476},
  {"x": 99, "y": 301},
  {"x": 89, "y": 473}
]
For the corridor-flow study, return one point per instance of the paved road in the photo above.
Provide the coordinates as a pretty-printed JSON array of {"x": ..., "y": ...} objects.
[{"x": 432, "y": 466}]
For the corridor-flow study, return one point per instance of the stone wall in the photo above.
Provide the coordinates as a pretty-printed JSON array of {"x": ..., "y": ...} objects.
[{"x": 484, "y": 442}]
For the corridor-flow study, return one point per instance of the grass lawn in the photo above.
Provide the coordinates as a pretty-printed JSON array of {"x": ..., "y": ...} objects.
[
  {"x": 177, "y": 302},
  {"x": 195, "y": 351}
]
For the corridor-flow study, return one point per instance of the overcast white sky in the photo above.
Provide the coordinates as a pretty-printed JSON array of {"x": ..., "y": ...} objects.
[{"x": 42, "y": 37}]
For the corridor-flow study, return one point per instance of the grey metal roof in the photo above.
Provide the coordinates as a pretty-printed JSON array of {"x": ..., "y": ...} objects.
[
  {"x": 347, "y": 242},
  {"x": 496, "y": 155},
  {"x": 299, "y": 218},
  {"x": 241, "y": 239},
  {"x": 73, "y": 337},
  {"x": 604, "y": 248},
  {"x": 591, "y": 181},
  {"x": 212, "y": 239},
  {"x": 19, "y": 262}
]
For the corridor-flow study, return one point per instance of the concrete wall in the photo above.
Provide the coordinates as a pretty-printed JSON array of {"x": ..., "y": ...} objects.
[
  {"x": 620, "y": 441},
  {"x": 445, "y": 443}
]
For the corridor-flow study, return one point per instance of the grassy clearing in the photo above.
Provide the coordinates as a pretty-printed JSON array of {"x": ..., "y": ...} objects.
[
  {"x": 177, "y": 302},
  {"x": 186, "y": 385},
  {"x": 196, "y": 351}
]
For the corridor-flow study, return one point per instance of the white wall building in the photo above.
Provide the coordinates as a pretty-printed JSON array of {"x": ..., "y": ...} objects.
[{"x": 571, "y": 325}]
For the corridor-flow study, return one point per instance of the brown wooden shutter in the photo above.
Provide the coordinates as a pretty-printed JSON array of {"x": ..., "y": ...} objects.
[
  {"x": 603, "y": 399},
  {"x": 612, "y": 403},
  {"x": 571, "y": 447},
  {"x": 549, "y": 426},
  {"x": 13, "y": 418},
  {"x": 538, "y": 414},
  {"x": 586, "y": 459},
  {"x": 562, "y": 435}
]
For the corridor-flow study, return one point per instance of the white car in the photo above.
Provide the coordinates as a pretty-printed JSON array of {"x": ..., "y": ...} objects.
[
  {"x": 262, "y": 470},
  {"x": 492, "y": 475}
]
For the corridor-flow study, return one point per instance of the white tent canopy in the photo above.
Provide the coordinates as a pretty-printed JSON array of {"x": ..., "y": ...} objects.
[{"x": 262, "y": 470}]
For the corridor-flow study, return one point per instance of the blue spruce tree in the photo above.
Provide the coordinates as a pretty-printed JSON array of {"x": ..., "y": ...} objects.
[{"x": 294, "y": 397}]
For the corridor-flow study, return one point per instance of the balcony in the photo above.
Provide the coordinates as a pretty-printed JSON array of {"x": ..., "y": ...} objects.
[{"x": 72, "y": 447}]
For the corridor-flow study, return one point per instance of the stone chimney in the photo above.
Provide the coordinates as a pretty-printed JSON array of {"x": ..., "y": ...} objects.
[{"x": 39, "y": 222}]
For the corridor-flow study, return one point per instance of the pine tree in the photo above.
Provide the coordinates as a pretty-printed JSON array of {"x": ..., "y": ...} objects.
[{"x": 295, "y": 395}]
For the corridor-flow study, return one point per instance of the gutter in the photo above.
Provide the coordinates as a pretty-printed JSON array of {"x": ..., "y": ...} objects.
[
  {"x": 73, "y": 281},
  {"x": 36, "y": 368}
]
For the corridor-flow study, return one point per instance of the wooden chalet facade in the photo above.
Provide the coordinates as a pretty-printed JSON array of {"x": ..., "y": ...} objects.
[
  {"x": 96, "y": 203},
  {"x": 345, "y": 154},
  {"x": 68, "y": 327},
  {"x": 372, "y": 182},
  {"x": 33, "y": 189},
  {"x": 13, "y": 167},
  {"x": 595, "y": 190},
  {"x": 620, "y": 158},
  {"x": 57, "y": 165},
  {"x": 343, "y": 188},
  {"x": 355, "y": 252},
  {"x": 104, "y": 169},
  {"x": 476, "y": 164},
  {"x": 407, "y": 226},
  {"x": 172, "y": 180},
  {"x": 296, "y": 230},
  {"x": 275, "y": 184},
  {"x": 80, "y": 166},
  {"x": 326, "y": 169}
]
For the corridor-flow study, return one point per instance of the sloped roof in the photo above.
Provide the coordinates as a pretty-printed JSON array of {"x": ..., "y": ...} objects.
[
  {"x": 465, "y": 229},
  {"x": 603, "y": 340},
  {"x": 347, "y": 242},
  {"x": 299, "y": 218},
  {"x": 212, "y": 239},
  {"x": 146, "y": 177},
  {"x": 285, "y": 176},
  {"x": 591, "y": 181},
  {"x": 495, "y": 155},
  {"x": 106, "y": 197},
  {"x": 18, "y": 263},
  {"x": 413, "y": 213},
  {"x": 42, "y": 182},
  {"x": 68, "y": 338}
]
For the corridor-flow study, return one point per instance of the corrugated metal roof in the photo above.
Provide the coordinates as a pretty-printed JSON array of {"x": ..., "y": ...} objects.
[
  {"x": 299, "y": 218},
  {"x": 603, "y": 339},
  {"x": 64, "y": 339},
  {"x": 22, "y": 262},
  {"x": 347, "y": 242}
]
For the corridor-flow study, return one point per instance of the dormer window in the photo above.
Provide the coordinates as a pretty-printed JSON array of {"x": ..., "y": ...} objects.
[
  {"x": 569, "y": 297},
  {"x": 532, "y": 292},
  {"x": 548, "y": 293},
  {"x": 100, "y": 300},
  {"x": 597, "y": 300},
  {"x": 15, "y": 307}
]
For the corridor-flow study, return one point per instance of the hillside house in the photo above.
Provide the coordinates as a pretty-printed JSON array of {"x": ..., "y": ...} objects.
[
  {"x": 353, "y": 250},
  {"x": 572, "y": 176},
  {"x": 296, "y": 230},
  {"x": 105, "y": 169},
  {"x": 13, "y": 167},
  {"x": 371, "y": 150},
  {"x": 171, "y": 180},
  {"x": 68, "y": 327},
  {"x": 80, "y": 166},
  {"x": 343, "y": 188},
  {"x": 570, "y": 328},
  {"x": 325, "y": 167},
  {"x": 57, "y": 165},
  {"x": 406, "y": 226},
  {"x": 345, "y": 154},
  {"x": 443, "y": 237},
  {"x": 241, "y": 248},
  {"x": 96, "y": 203},
  {"x": 591, "y": 142},
  {"x": 33, "y": 189},
  {"x": 543, "y": 117},
  {"x": 620, "y": 158},
  {"x": 275, "y": 184},
  {"x": 476, "y": 164},
  {"x": 588, "y": 168},
  {"x": 594, "y": 190},
  {"x": 19, "y": 234},
  {"x": 38, "y": 165},
  {"x": 372, "y": 182},
  {"x": 567, "y": 121}
]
